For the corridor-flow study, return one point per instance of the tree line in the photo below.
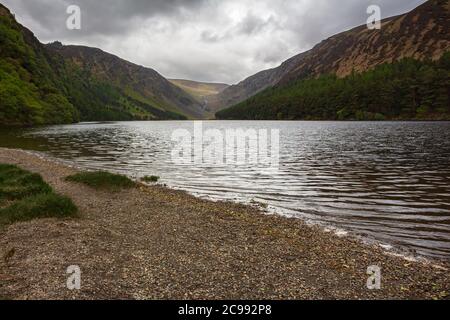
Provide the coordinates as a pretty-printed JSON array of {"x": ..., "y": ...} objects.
[{"x": 405, "y": 90}]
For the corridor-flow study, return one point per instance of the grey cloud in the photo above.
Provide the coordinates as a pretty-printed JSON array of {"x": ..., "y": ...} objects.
[
  {"x": 253, "y": 24},
  {"x": 250, "y": 25},
  {"x": 212, "y": 40},
  {"x": 210, "y": 36},
  {"x": 105, "y": 18}
]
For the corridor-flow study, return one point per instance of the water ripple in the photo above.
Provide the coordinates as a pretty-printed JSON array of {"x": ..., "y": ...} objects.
[{"x": 388, "y": 181}]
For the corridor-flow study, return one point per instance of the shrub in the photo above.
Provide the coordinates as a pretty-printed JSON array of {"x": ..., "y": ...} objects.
[
  {"x": 102, "y": 180},
  {"x": 150, "y": 179}
]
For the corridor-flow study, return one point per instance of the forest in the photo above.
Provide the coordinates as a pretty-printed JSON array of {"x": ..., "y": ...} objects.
[
  {"x": 405, "y": 90},
  {"x": 39, "y": 86}
]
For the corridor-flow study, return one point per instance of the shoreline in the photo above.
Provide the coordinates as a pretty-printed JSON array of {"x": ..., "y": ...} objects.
[
  {"x": 153, "y": 242},
  {"x": 388, "y": 249},
  {"x": 261, "y": 208},
  {"x": 219, "y": 120}
]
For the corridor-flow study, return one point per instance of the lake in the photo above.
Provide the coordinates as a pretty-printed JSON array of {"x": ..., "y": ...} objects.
[{"x": 385, "y": 181}]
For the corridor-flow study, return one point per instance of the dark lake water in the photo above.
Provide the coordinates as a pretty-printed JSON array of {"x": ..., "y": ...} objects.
[{"x": 387, "y": 181}]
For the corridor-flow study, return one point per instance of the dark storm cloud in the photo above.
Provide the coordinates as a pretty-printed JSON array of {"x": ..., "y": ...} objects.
[
  {"x": 253, "y": 24},
  {"x": 209, "y": 40},
  {"x": 109, "y": 17}
]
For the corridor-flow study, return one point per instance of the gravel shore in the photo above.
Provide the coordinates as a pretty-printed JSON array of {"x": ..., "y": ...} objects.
[{"x": 158, "y": 243}]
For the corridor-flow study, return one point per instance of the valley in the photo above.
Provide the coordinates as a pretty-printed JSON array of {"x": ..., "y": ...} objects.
[
  {"x": 56, "y": 83},
  {"x": 325, "y": 177}
]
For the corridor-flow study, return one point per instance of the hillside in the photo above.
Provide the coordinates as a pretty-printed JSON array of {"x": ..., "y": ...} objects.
[
  {"x": 421, "y": 33},
  {"x": 50, "y": 84},
  {"x": 30, "y": 90},
  {"x": 199, "y": 89},
  {"x": 409, "y": 89},
  {"x": 205, "y": 93},
  {"x": 140, "y": 83}
]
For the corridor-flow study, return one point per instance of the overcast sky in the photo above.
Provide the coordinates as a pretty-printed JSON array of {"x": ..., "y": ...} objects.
[{"x": 205, "y": 40}]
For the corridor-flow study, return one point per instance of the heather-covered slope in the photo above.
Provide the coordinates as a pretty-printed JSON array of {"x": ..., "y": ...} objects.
[
  {"x": 421, "y": 33},
  {"x": 406, "y": 90}
]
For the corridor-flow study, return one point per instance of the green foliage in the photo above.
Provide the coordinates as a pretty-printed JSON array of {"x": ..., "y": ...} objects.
[
  {"x": 29, "y": 91},
  {"x": 102, "y": 180},
  {"x": 408, "y": 89},
  {"x": 150, "y": 179},
  {"x": 25, "y": 196},
  {"x": 16, "y": 183},
  {"x": 38, "y": 86},
  {"x": 45, "y": 205}
]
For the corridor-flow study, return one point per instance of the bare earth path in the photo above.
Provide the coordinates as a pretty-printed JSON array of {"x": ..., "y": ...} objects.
[{"x": 156, "y": 243}]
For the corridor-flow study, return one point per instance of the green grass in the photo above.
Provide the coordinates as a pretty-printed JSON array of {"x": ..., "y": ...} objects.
[
  {"x": 44, "y": 205},
  {"x": 25, "y": 196},
  {"x": 150, "y": 179},
  {"x": 102, "y": 180},
  {"x": 16, "y": 183}
]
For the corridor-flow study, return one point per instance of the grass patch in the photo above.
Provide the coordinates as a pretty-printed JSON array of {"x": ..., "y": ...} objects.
[
  {"x": 25, "y": 196},
  {"x": 150, "y": 179},
  {"x": 102, "y": 180},
  {"x": 45, "y": 205},
  {"x": 16, "y": 183}
]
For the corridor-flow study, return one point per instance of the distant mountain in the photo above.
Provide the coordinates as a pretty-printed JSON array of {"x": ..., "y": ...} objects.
[
  {"x": 199, "y": 89},
  {"x": 421, "y": 33},
  {"x": 203, "y": 92},
  {"x": 49, "y": 84},
  {"x": 140, "y": 83}
]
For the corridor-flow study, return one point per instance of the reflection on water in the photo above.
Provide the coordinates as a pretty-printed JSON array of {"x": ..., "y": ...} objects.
[{"x": 388, "y": 181}]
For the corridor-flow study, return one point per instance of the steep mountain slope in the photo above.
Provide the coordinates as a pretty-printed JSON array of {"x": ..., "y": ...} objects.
[
  {"x": 409, "y": 89},
  {"x": 30, "y": 91},
  {"x": 48, "y": 84},
  {"x": 140, "y": 83},
  {"x": 421, "y": 33}
]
